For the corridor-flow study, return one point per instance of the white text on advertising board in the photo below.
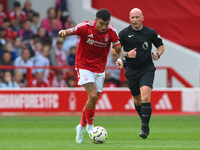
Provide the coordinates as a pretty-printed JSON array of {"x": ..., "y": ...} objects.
[{"x": 29, "y": 101}]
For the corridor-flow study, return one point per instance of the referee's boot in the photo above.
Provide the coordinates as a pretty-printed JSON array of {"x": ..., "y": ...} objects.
[{"x": 144, "y": 131}]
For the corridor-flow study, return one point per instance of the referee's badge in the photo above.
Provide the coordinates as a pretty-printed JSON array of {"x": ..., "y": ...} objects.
[
  {"x": 106, "y": 38},
  {"x": 145, "y": 45}
]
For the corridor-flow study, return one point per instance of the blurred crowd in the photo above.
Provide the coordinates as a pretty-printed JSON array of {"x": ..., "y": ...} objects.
[{"x": 24, "y": 42}]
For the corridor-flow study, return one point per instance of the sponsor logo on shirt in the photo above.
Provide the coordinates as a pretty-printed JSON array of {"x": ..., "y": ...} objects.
[{"x": 96, "y": 43}]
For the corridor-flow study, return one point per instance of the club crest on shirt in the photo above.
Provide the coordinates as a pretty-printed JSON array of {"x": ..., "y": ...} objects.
[
  {"x": 106, "y": 38},
  {"x": 145, "y": 45}
]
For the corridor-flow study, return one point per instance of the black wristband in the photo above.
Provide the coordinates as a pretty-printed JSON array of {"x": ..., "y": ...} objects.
[{"x": 158, "y": 55}]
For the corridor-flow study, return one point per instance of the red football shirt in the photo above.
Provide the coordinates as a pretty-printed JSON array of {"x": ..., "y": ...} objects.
[
  {"x": 2, "y": 17},
  {"x": 94, "y": 46},
  {"x": 44, "y": 83},
  {"x": 12, "y": 16}
]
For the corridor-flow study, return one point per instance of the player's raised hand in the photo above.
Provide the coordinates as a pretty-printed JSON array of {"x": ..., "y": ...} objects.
[
  {"x": 62, "y": 33},
  {"x": 132, "y": 53},
  {"x": 119, "y": 63}
]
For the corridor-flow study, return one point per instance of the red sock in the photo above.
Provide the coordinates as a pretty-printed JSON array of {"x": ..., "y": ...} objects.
[
  {"x": 89, "y": 114},
  {"x": 83, "y": 119}
]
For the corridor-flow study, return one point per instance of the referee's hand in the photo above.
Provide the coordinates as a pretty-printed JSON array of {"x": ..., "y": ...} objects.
[
  {"x": 155, "y": 56},
  {"x": 119, "y": 64},
  {"x": 132, "y": 53}
]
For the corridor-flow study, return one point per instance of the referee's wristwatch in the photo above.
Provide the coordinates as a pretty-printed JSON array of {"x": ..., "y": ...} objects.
[{"x": 125, "y": 54}]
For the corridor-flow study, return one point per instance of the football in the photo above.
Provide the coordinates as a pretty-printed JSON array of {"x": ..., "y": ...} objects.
[{"x": 98, "y": 135}]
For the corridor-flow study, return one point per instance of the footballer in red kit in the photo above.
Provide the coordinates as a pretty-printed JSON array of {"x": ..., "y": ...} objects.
[
  {"x": 94, "y": 46},
  {"x": 91, "y": 58}
]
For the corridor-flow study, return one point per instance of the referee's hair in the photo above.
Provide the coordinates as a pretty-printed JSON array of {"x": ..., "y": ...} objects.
[{"x": 103, "y": 14}]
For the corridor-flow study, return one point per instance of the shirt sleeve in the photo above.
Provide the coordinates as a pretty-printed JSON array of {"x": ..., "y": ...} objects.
[
  {"x": 114, "y": 37},
  {"x": 157, "y": 40},
  {"x": 79, "y": 29},
  {"x": 121, "y": 38}
]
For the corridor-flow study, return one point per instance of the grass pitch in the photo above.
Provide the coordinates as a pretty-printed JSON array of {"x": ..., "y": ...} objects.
[{"x": 47, "y": 133}]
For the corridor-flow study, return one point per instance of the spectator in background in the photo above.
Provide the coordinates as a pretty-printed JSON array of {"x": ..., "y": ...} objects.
[
  {"x": 39, "y": 80},
  {"x": 29, "y": 15},
  {"x": 16, "y": 16},
  {"x": 71, "y": 81},
  {"x": 6, "y": 61},
  {"x": 18, "y": 77},
  {"x": 72, "y": 56},
  {"x": 58, "y": 80},
  {"x": 108, "y": 82},
  {"x": 35, "y": 21},
  {"x": 42, "y": 32},
  {"x": 2, "y": 38},
  {"x": 52, "y": 54},
  {"x": 24, "y": 60},
  {"x": 61, "y": 59},
  {"x": 42, "y": 60},
  {"x": 51, "y": 15},
  {"x": 2, "y": 14},
  {"x": 62, "y": 12},
  {"x": 9, "y": 47},
  {"x": 17, "y": 46},
  {"x": 27, "y": 9},
  {"x": 7, "y": 81},
  {"x": 53, "y": 29},
  {"x": 26, "y": 33},
  {"x": 37, "y": 48},
  {"x": 114, "y": 73},
  {"x": 72, "y": 40},
  {"x": 10, "y": 33}
]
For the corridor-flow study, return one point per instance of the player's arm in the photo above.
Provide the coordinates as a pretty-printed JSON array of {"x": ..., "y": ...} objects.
[
  {"x": 119, "y": 54},
  {"x": 130, "y": 54},
  {"x": 158, "y": 53},
  {"x": 64, "y": 33}
]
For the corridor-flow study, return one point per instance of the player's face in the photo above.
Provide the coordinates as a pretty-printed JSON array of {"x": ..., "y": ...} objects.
[
  {"x": 136, "y": 19},
  {"x": 102, "y": 25}
]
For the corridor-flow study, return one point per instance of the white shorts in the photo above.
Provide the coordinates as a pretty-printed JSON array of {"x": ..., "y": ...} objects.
[{"x": 86, "y": 76}]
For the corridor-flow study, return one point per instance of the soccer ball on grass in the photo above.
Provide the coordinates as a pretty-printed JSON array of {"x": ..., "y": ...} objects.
[{"x": 98, "y": 135}]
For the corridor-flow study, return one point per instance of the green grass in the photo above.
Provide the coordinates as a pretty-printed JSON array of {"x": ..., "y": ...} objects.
[{"x": 47, "y": 133}]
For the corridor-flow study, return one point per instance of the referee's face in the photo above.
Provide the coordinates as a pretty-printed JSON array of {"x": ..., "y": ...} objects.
[
  {"x": 102, "y": 25},
  {"x": 136, "y": 19}
]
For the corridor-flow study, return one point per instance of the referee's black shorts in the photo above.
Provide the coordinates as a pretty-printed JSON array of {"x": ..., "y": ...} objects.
[{"x": 139, "y": 78}]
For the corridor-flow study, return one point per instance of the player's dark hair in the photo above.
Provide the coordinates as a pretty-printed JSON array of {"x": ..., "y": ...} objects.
[{"x": 103, "y": 14}]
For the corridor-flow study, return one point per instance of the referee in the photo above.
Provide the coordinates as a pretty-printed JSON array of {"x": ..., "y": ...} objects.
[{"x": 136, "y": 40}]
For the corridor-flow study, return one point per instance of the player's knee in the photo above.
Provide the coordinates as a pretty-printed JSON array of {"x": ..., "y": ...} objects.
[
  {"x": 137, "y": 100},
  {"x": 93, "y": 96},
  {"x": 145, "y": 99},
  {"x": 138, "y": 103}
]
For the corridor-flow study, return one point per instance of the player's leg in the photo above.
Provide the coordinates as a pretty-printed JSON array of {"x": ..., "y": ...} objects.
[
  {"x": 138, "y": 104},
  {"x": 90, "y": 104},
  {"x": 85, "y": 77},
  {"x": 146, "y": 83},
  {"x": 133, "y": 84},
  {"x": 145, "y": 110}
]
